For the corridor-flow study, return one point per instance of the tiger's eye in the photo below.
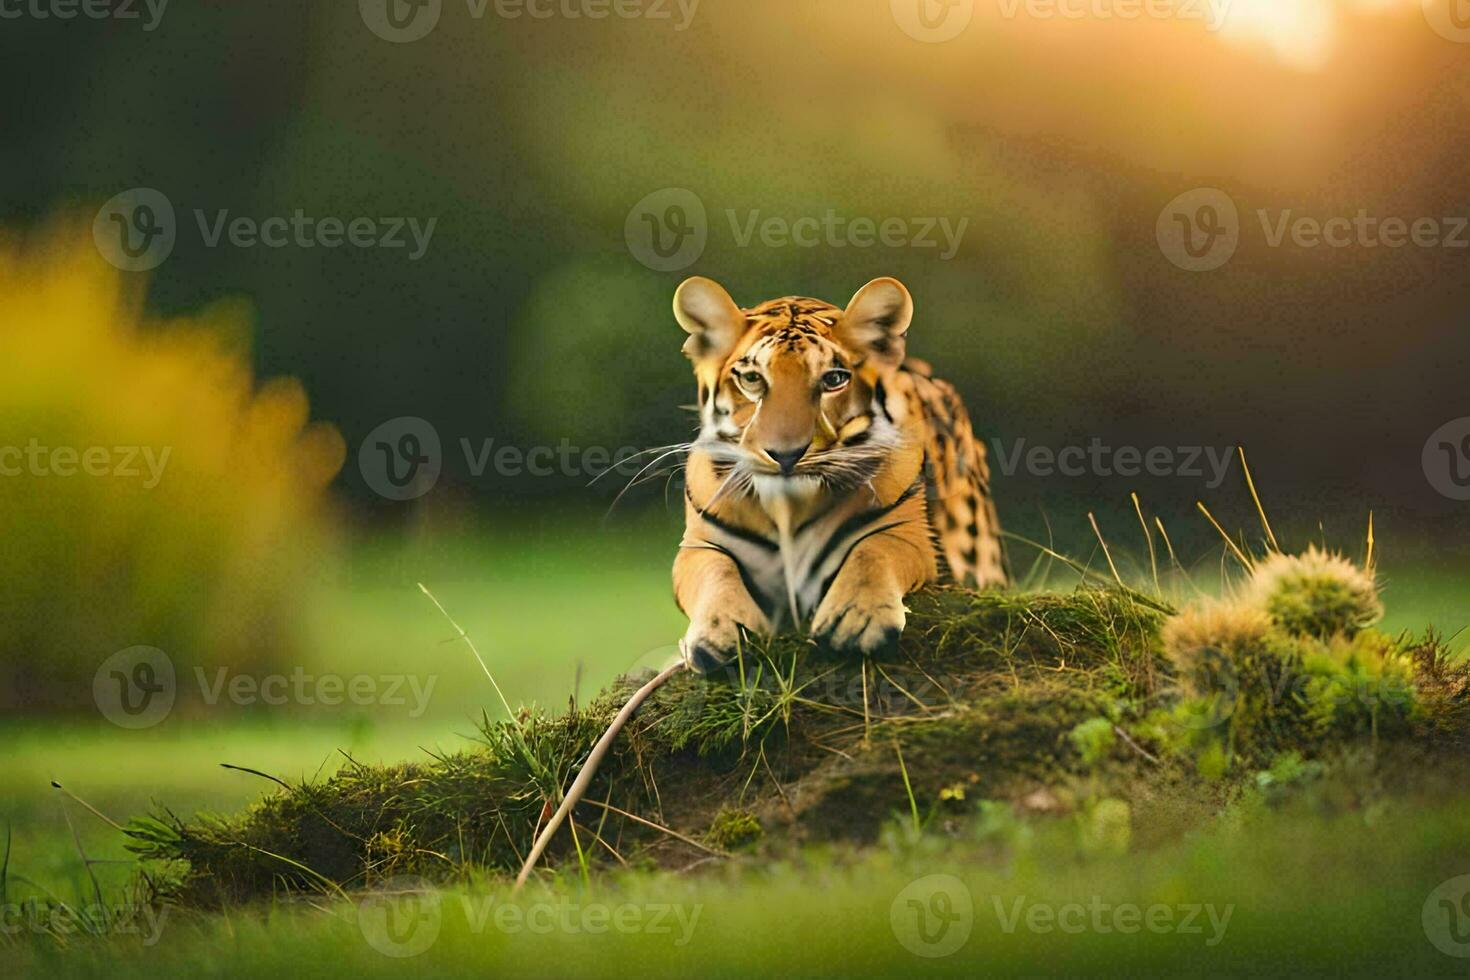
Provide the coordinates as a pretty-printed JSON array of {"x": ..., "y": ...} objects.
[
  {"x": 752, "y": 379},
  {"x": 836, "y": 379}
]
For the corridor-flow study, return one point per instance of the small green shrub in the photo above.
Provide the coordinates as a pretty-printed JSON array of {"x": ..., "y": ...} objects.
[
  {"x": 1288, "y": 664},
  {"x": 1315, "y": 594}
]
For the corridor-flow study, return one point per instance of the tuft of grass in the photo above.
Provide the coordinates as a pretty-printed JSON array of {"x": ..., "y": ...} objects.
[
  {"x": 1290, "y": 664},
  {"x": 1316, "y": 594}
]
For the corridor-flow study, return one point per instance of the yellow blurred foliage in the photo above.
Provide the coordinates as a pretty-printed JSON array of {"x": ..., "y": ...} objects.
[{"x": 151, "y": 493}]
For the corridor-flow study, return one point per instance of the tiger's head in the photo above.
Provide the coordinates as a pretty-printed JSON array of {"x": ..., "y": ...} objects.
[{"x": 791, "y": 392}]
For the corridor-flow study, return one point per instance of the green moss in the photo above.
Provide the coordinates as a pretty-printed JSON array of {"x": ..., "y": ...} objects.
[
  {"x": 1260, "y": 693},
  {"x": 1094, "y": 739},
  {"x": 1320, "y": 606},
  {"x": 733, "y": 829}
]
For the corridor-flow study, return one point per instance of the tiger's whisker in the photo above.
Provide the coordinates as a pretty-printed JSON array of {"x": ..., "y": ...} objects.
[
  {"x": 675, "y": 447},
  {"x": 629, "y": 485}
]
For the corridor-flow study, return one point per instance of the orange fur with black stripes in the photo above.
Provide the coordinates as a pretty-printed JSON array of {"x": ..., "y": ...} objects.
[{"x": 831, "y": 476}]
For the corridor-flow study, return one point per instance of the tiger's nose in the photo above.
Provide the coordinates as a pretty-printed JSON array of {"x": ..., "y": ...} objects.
[{"x": 787, "y": 459}]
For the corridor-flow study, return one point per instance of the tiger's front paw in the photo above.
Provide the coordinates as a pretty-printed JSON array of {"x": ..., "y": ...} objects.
[
  {"x": 861, "y": 621},
  {"x": 712, "y": 641}
]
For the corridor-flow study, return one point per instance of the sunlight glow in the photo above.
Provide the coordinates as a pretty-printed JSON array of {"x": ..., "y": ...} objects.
[{"x": 1301, "y": 33}]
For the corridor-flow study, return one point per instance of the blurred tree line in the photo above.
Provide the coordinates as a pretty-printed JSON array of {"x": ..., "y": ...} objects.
[{"x": 530, "y": 320}]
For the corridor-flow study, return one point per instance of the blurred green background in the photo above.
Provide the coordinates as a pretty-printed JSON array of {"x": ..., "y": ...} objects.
[
  {"x": 536, "y": 154},
  {"x": 1057, "y": 141}
]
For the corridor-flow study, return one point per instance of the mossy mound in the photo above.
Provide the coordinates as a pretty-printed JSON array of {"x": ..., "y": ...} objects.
[
  {"x": 984, "y": 687},
  {"x": 1047, "y": 703}
]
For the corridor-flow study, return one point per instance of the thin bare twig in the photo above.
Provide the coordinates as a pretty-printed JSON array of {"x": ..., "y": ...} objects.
[
  {"x": 589, "y": 769},
  {"x": 662, "y": 829},
  {"x": 1118, "y": 729}
]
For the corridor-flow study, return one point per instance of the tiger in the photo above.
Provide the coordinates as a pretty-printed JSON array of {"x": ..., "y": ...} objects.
[{"x": 831, "y": 475}]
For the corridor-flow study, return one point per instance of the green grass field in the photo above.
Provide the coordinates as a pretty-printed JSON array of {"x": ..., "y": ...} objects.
[{"x": 1313, "y": 889}]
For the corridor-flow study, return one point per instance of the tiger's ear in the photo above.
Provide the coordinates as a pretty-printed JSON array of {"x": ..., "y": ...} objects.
[
  {"x": 712, "y": 320},
  {"x": 877, "y": 321}
]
